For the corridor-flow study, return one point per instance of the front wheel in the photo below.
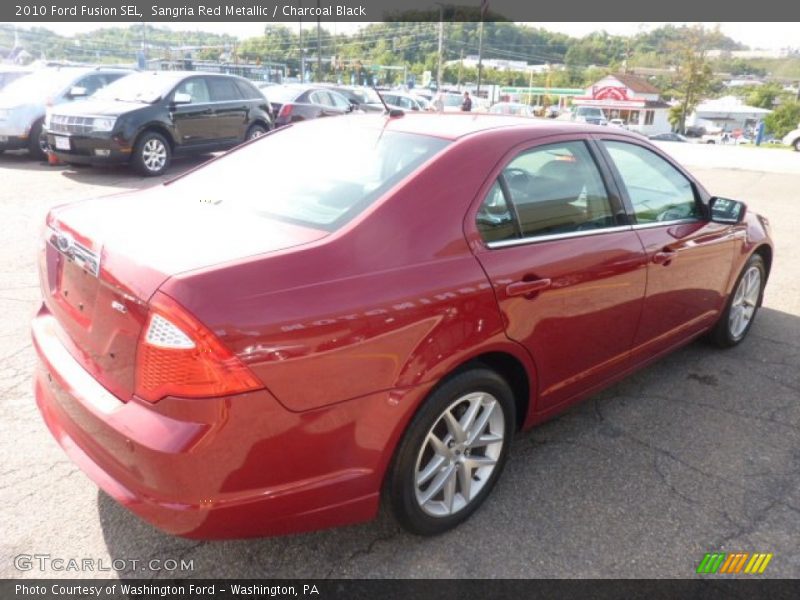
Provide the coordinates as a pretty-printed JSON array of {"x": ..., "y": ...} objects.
[
  {"x": 37, "y": 142},
  {"x": 743, "y": 303},
  {"x": 151, "y": 154},
  {"x": 796, "y": 145},
  {"x": 453, "y": 452}
]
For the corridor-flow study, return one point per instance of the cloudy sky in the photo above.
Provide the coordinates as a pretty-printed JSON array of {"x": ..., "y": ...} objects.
[{"x": 755, "y": 35}]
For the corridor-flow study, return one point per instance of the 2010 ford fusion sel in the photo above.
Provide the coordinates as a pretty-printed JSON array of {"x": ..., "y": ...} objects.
[{"x": 231, "y": 356}]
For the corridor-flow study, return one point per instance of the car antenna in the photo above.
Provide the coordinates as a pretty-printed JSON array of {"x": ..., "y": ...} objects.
[{"x": 392, "y": 112}]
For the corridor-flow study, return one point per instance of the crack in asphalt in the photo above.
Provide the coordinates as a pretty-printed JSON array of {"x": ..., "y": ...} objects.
[{"x": 387, "y": 537}]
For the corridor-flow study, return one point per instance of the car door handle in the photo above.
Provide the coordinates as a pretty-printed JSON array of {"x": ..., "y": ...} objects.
[
  {"x": 524, "y": 288},
  {"x": 664, "y": 257}
]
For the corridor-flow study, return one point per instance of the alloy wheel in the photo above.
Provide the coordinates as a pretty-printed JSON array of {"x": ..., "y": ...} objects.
[
  {"x": 459, "y": 454},
  {"x": 154, "y": 155},
  {"x": 745, "y": 301}
]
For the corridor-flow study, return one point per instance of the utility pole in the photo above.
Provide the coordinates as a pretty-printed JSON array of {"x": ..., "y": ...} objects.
[
  {"x": 302, "y": 50},
  {"x": 441, "y": 46},
  {"x": 480, "y": 55},
  {"x": 319, "y": 45}
]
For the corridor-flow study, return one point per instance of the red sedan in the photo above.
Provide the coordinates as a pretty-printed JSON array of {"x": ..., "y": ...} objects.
[{"x": 347, "y": 307}]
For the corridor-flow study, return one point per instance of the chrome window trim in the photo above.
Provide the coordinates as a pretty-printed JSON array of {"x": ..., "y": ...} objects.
[
  {"x": 555, "y": 236},
  {"x": 664, "y": 223}
]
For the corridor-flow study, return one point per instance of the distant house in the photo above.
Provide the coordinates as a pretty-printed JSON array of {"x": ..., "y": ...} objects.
[
  {"x": 630, "y": 98},
  {"x": 726, "y": 114}
]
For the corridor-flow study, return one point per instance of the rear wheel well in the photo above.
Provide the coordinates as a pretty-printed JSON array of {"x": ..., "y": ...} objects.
[
  {"x": 261, "y": 122},
  {"x": 510, "y": 369}
]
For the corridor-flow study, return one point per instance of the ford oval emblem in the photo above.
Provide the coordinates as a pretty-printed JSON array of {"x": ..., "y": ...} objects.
[{"x": 63, "y": 242}]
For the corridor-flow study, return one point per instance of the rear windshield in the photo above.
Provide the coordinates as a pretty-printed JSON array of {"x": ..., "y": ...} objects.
[
  {"x": 282, "y": 93},
  {"x": 323, "y": 184}
]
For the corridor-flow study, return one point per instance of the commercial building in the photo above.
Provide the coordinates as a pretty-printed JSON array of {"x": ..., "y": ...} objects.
[
  {"x": 632, "y": 99},
  {"x": 727, "y": 114}
]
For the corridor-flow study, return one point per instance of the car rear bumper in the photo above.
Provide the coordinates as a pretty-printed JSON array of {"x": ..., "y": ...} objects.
[
  {"x": 229, "y": 467},
  {"x": 90, "y": 150}
]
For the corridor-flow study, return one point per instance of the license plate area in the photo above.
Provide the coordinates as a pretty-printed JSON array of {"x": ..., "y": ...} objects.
[
  {"x": 62, "y": 142},
  {"x": 77, "y": 290}
]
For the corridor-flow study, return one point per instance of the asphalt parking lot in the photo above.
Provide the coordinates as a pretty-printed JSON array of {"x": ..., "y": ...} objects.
[{"x": 698, "y": 453}]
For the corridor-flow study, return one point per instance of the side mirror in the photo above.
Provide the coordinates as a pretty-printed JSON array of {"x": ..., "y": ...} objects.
[
  {"x": 181, "y": 98},
  {"x": 725, "y": 210},
  {"x": 77, "y": 91}
]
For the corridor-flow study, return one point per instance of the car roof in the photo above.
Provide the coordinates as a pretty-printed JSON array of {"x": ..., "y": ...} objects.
[{"x": 453, "y": 126}]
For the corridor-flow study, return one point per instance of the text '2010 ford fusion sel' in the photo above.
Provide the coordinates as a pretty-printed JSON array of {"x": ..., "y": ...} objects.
[{"x": 229, "y": 356}]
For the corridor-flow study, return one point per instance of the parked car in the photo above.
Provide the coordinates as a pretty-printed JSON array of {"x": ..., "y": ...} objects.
[
  {"x": 147, "y": 118},
  {"x": 668, "y": 137},
  {"x": 618, "y": 123},
  {"x": 301, "y": 102},
  {"x": 511, "y": 108},
  {"x": 9, "y": 73},
  {"x": 362, "y": 98},
  {"x": 589, "y": 114},
  {"x": 403, "y": 101},
  {"x": 232, "y": 356},
  {"x": 24, "y": 102},
  {"x": 449, "y": 101},
  {"x": 792, "y": 139}
]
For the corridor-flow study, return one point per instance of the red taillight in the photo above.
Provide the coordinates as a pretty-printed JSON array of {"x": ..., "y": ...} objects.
[
  {"x": 286, "y": 110},
  {"x": 179, "y": 356}
]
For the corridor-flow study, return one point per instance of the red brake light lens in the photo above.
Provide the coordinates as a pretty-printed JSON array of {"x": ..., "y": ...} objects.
[
  {"x": 286, "y": 110},
  {"x": 179, "y": 356}
]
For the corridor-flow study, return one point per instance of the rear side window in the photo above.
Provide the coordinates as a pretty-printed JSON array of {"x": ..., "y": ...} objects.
[
  {"x": 320, "y": 97},
  {"x": 223, "y": 90},
  {"x": 248, "y": 91},
  {"x": 657, "y": 190},
  {"x": 548, "y": 190}
]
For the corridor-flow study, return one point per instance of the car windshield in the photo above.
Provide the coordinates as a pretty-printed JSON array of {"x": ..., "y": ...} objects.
[
  {"x": 452, "y": 100},
  {"x": 322, "y": 185},
  {"x": 144, "y": 88},
  {"x": 37, "y": 86}
]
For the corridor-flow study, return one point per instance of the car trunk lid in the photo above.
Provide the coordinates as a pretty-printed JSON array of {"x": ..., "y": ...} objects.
[{"x": 103, "y": 259}]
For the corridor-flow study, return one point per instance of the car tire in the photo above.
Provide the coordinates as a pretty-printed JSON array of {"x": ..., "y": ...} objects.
[
  {"x": 37, "y": 143},
  {"x": 151, "y": 154},
  {"x": 796, "y": 145},
  {"x": 254, "y": 131},
  {"x": 441, "y": 473},
  {"x": 742, "y": 304}
]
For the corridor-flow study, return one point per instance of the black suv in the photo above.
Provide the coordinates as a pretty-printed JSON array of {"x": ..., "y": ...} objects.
[{"x": 146, "y": 118}]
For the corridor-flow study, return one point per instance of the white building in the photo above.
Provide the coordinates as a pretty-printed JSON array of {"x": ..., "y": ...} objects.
[
  {"x": 632, "y": 99},
  {"x": 726, "y": 114}
]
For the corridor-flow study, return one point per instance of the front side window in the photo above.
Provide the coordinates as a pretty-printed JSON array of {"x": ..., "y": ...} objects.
[
  {"x": 657, "y": 190},
  {"x": 548, "y": 190},
  {"x": 196, "y": 88}
]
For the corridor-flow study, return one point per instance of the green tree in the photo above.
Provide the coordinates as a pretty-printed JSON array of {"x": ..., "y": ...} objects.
[
  {"x": 783, "y": 119},
  {"x": 764, "y": 96},
  {"x": 694, "y": 78}
]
